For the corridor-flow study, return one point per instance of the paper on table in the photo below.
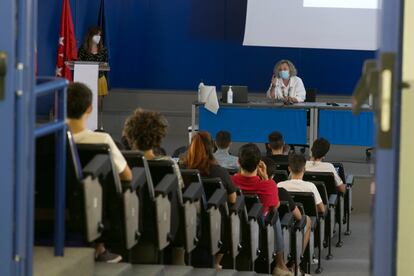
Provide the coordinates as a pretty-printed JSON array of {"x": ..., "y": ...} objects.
[
  {"x": 211, "y": 101},
  {"x": 88, "y": 75}
]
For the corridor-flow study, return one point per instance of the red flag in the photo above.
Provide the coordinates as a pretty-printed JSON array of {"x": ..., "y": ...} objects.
[{"x": 67, "y": 43}]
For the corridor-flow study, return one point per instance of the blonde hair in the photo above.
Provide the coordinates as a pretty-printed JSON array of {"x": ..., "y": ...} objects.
[{"x": 292, "y": 68}]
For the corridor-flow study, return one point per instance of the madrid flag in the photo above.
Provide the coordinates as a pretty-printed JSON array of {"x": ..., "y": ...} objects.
[{"x": 67, "y": 43}]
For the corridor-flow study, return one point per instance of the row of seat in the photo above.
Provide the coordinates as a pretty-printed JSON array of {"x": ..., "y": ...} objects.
[{"x": 143, "y": 219}]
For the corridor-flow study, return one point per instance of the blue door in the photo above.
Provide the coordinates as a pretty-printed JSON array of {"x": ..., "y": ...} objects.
[
  {"x": 7, "y": 141},
  {"x": 17, "y": 44},
  {"x": 388, "y": 103}
]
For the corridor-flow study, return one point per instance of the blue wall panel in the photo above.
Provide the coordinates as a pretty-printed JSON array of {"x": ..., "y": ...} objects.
[{"x": 174, "y": 44}]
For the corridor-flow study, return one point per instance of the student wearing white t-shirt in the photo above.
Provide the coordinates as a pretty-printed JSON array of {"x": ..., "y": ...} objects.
[
  {"x": 79, "y": 107},
  {"x": 286, "y": 86},
  {"x": 319, "y": 150},
  {"x": 296, "y": 184}
]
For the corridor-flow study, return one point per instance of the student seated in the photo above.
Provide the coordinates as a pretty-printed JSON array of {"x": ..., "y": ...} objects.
[
  {"x": 222, "y": 155},
  {"x": 253, "y": 179},
  {"x": 296, "y": 184},
  {"x": 277, "y": 148},
  {"x": 200, "y": 156},
  {"x": 79, "y": 107},
  {"x": 285, "y": 196},
  {"x": 144, "y": 131},
  {"x": 319, "y": 150}
]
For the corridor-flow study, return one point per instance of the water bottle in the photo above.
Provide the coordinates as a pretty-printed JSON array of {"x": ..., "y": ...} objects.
[
  {"x": 230, "y": 95},
  {"x": 199, "y": 91}
]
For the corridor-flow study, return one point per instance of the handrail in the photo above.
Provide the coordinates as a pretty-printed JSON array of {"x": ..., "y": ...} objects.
[
  {"x": 47, "y": 85},
  {"x": 57, "y": 86},
  {"x": 49, "y": 128}
]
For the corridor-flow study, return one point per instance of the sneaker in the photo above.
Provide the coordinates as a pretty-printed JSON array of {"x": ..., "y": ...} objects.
[{"x": 108, "y": 257}]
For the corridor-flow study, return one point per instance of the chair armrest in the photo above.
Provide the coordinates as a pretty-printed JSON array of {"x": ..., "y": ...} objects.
[
  {"x": 255, "y": 211},
  {"x": 332, "y": 199},
  {"x": 349, "y": 180},
  {"x": 98, "y": 165},
  {"x": 166, "y": 185},
  {"x": 287, "y": 220},
  {"x": 271, "y": 217},
  {"x": 238, "y": 205},
  {"x": 193, "y": 192},
  {"x": 218, "y": 198}
]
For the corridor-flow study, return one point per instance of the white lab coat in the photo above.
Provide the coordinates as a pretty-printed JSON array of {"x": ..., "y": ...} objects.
[{"x": 294, "y": 89}]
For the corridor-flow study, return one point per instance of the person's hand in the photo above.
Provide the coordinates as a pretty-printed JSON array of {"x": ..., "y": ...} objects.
[
  {"x": 262, "y": 170},
  {"x": 293, "y": 100},
  {"x": 274, "y": 79}
]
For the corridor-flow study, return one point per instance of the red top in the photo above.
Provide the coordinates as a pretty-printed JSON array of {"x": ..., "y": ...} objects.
[{"x": 265, "y": 189}]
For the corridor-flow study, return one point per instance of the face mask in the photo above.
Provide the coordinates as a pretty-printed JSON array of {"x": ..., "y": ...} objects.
[
  {"x": 96, "y": 39},
  {"x": 284, "y": 74}
]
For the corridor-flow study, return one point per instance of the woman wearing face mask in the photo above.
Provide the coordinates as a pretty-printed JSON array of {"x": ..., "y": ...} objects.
[
  {"x": 92, "y": 49},
  {"x": 285, "y": 85}
]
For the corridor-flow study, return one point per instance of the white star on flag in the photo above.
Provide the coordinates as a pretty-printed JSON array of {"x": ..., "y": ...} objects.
[
  {"x": 59, "y": 71},
  {"x": 61, "y": 40}
]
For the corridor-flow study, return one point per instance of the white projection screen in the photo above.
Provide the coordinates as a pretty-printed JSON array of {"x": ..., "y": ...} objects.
[{"x": 326, "y": 24}]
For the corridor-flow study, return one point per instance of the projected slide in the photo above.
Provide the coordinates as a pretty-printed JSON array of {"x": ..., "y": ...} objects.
[{"x": 327, "y": 24}]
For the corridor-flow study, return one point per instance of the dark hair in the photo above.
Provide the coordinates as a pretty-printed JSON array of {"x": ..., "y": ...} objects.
[
  {"x": 249, "y": 157},
  {"x": 271, "y": 166},
  {"x": 144, "y": 130},
  {"x": 88, "y": 38},
  {"x": 276, "y": 141},
  {"x": 223, "y": 139},
  {"x": 297, "y": 163},
  {"x": 79, "y": 99},
  {"x": 200, "y": 153},
  {"x": 320, "y": 148}
]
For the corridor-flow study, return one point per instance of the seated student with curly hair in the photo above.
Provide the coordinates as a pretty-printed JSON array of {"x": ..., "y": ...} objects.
[
  {"x": 316, "y": 164},
  {"x": 144, "y": 131}
]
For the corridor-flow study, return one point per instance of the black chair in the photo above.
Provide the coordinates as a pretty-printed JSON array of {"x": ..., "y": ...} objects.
[
  {"x": 83, "y": 191},
  {"x": 231, "y": 233},
  {"x": 267, "y": 234},
  {"x": 121, "y": 204},
  {"x": 349, "y": 181},
  {"x": 184, "y": 205},
  {"x": 156, "y": 208},
  {"x": 330, "y": 204},
  {"x": 307, "y": 202},
  {"x": 329, "y": 180}
]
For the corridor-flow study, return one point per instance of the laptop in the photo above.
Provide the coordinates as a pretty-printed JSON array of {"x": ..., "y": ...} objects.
[{"x": 240, "y": 93}]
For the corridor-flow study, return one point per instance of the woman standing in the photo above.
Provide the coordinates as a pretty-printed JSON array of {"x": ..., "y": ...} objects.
[{"x": 92, "y": 49}]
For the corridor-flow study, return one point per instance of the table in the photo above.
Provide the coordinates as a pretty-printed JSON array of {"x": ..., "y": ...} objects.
[{"x": 252, "y": 122}]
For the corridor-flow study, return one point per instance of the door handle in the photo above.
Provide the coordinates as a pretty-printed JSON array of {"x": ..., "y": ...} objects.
[{"x": 3, "y": 71}]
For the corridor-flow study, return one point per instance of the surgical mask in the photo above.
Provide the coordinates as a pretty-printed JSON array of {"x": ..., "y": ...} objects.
[
  {"x": 96, "y": 39},
  {"x": 284, "y": 74}
]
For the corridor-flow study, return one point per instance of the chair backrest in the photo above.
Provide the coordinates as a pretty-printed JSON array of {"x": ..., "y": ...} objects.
[
  {"x": 192, "y": 175},
  {"x": 110, "y": 181},
  {"x": 137, "y": 159},
  {"x": 311, "y": 95},
  {"x": 308, "y": 201},
  {"x": 326, "y": 177},
  {"x": 210, "y": 185},
  {"x": 340, "y": 170},
  {"x": 280, "y": 175}
]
